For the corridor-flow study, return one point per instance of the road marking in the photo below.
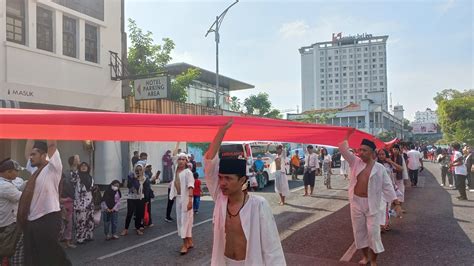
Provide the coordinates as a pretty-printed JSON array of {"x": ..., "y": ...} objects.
[
  {"x": 296, "y": 189},
  {"x": 147, "y": 242},
  {"x": 349, "y": 253}
]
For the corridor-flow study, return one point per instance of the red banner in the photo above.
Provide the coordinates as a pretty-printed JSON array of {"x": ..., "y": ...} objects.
[{"x": 102, "y": 126}]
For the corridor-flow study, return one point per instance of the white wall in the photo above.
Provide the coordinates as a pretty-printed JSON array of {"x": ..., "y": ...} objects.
[{"x": 51, "y": 77}]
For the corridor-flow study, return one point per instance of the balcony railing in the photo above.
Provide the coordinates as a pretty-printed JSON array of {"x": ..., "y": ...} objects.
[{"x": 165, "y": 106}]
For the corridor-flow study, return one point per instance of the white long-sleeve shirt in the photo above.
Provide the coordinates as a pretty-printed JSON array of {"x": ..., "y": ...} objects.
[
  {"x": 379, "y": 184},
  {"x": 258, "y": 224},
  {"x": 311, "y": 161}
]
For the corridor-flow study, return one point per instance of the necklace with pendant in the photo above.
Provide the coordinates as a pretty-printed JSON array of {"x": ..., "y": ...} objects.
[{"x": 235, "y": 215}]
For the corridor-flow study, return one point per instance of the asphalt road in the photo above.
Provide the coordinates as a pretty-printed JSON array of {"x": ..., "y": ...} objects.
[{"x": 436, "y": 230}]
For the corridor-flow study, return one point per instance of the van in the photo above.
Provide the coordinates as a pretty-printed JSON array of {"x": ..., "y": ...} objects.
[{"x": 250, "y": 151}]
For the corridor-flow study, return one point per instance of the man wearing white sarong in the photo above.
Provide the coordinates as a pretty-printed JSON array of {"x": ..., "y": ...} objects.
[
  {"x": 281, "y": 182},
  {"x": 182, "y": 191},
  {"x": 368, "y": 182},
  {"x": 245, "y": 232}
]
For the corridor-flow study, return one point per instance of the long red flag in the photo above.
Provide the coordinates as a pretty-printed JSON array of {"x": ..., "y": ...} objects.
[{"x": 82, "y": 125}]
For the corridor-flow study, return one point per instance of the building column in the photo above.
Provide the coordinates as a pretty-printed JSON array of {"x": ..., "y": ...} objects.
[{"x": 31, "y": 22}]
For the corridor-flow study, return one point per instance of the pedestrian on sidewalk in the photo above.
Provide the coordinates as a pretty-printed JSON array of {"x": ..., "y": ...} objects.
[
  {"x": 369, "y": 181},
  {"x": 110, "y": 206},
  {"x": 281, "y": 182},
  {"x": 460, "y": 171},
  {"x": 39, "y": 210},
  {"x": 167, "y": 167},
  {"x": 400, "y": 172},
  {"x": 310, "y": 167},
  {"x": 444, "y": 160},
  {"x": 345, "y": 170},
  {"x": 295, "y": 165},
  {"x": 197, "y": 192},
  {"x": 11, "y": 238},
  {"x": 245, "y": 232},
  {"x": 326, "y": 165},
  {"x": 259, "y": 167},
  {"x": 469, "y": 162},
  {"x": 135, "y": 199},
  {"x": 66, "y": 200},
  {"x": 83, "y": 204},
  {"x": 415, "y": 164},
  {"x": 182, "y": 192}
]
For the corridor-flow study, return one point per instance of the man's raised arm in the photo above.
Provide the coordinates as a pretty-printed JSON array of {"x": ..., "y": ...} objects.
[
  {"x": 216, "y": 143},
  {"x": 344, "y": 148},
  {"x": 52, "y": 147}
]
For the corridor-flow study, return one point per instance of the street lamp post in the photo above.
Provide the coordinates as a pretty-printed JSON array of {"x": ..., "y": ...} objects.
[{"x": 215, "y": 28}]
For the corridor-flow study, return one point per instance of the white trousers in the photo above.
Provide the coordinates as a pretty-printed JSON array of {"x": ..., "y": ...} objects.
[
  {"x": 366, "y": 227},
  {"x": 281, "y": 184},
  {"x": 184, "y": 218},
  {"x": 401, "y": 190},
  {"x": 231, "y": 262}
]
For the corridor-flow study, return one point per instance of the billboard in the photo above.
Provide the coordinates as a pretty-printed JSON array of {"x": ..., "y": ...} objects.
[
  {"x": 424, "y": 128},
  {"x": 152, "y": 88}
]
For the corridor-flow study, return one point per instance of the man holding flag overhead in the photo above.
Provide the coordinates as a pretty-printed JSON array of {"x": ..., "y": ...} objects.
[{"x": 245, "y": 232}]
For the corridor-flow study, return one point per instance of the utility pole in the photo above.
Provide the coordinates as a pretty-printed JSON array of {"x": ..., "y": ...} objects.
[{"x": 215, "y": 28}]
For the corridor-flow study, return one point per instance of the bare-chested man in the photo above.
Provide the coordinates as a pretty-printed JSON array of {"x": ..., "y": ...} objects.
[
  {"x": 245, "y": 232},
  {"x": 368, "y": 181}
]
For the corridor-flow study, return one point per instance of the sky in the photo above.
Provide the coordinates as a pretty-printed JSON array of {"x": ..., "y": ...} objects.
[{"x": 430, "y": 44}]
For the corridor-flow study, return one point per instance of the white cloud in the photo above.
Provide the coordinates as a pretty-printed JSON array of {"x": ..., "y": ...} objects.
[{"x": 293, "y": 29}]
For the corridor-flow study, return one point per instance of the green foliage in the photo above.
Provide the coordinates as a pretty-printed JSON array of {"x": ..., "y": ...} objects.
[
  {"x": 319, "y": 118},
  {"x": 456, "y": 115},
  {"x": 406, "y": 125},
  {"x": 386, "y": 136},
  {"x": 147, "y": 59},
  {"x": 235, "y": 105},
  {"x": 260, "y": 105},
  {"x": 179, "y": 85}
]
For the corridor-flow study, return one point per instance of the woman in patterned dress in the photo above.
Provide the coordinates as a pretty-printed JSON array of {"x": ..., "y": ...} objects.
[{"x": 83, "y": 204}]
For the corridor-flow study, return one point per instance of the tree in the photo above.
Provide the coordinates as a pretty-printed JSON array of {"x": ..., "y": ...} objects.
[
  {"x": 179, "y": 86},
  {"x": 235, "y": 104},
  {"x": 260, "y": 105},
  {"x": 456, "y": 115},
  {"x": 387, "y": 136},
  {"x": 406, "y": 125},
  {"x": 146, "y": 59},
  {"x": 319, "y": 118}
]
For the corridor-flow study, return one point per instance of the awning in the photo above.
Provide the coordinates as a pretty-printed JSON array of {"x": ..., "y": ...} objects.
[
  {"x": 81, "y": 125},
  {"x": 9, "y": 104}
]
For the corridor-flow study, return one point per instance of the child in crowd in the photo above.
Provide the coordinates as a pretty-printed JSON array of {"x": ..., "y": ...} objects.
[
  {"x": 110, "y": 207},
  {"x": 196, "y": 193}
]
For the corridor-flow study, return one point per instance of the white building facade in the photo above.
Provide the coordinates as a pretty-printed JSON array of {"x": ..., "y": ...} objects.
[
  {"x": 427, "y": 116},
  {"x": 54, "y": 54},
  {"x": 344, "y": 70}
]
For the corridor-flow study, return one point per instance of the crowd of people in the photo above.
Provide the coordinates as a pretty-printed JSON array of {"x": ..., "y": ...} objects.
[{"x": 56, "y": 206}]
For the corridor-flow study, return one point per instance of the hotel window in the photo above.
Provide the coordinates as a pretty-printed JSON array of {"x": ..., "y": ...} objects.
[
  {"x": 336, "y": 51},
  {"x": 329, "y": 75},
  {"x": 322, "y": 98},
  {"x": 374, "y": 78},
  {"x": 380, "y": 47},
  {"x": 366, "y": 49},
  {"x": 336, "y": 75},
  {"x": 381, "y": 83},
  {"x": 359, "y": 79},
  {"x": 365, "y": 73},
  {"x": 336, "y": 98},
  {"x": 16, "y": 21},
  {"x": 366, "y": 60},
  {"x": 91, "y": 43},
  {"x": 321, "y": 64},
  {"x": 336, "y": 69},
  {"x": 329, "y": 64},
  {"x": 44, "y": 29},
  {"x": 351, "y": 85},
  {"x": 336, "y": 80},
  {"x": 321, "y": 58},
  {"x": 358, "y": 49},
  {"x": 381, "y": 65},
  {"x": 336, "y": 57},
  {"x": 336, "y": 63},
  {"x": 322, "y": 70},
  {"x": 329, "y": 58},
  {"x": 374, "y": 54},
  {"x": 321, "y": 53},
  {"x": 380, "y": 53},
  {"x": 366, "y": 54},
  {"x": 69, "y": 36},
  {"x": 374, "y": 66},
  {"x": 358, "y": 61},
  {"x": 374, "y": 60},
  {"x": 351, "y": 56},
  {"x": 322, "y": 81}
]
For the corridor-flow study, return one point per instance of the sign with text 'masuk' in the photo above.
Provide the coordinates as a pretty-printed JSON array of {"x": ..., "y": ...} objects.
[{"x": 152, "y": 88}]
